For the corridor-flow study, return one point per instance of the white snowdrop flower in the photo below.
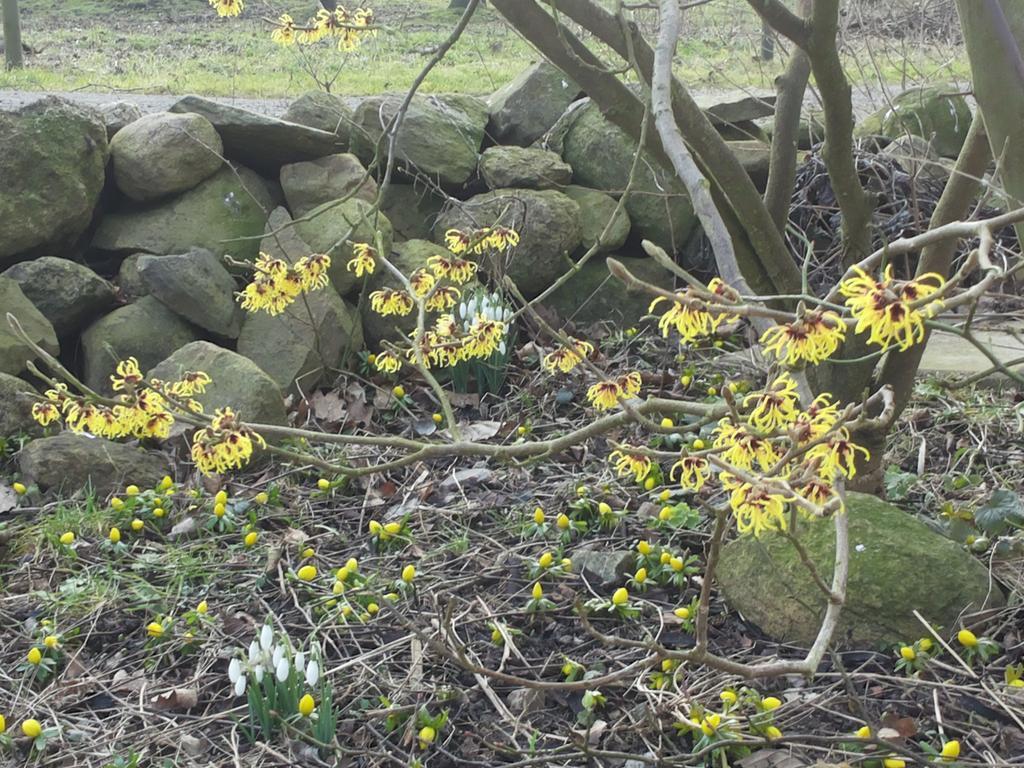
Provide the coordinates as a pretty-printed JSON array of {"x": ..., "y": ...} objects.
[
  {"x": 278, "y": 654},
  {"x": 463, "y": 311},
  {"x": 266, "y": 637},
  {"x": 501, "y": 347},
  {"x": 258, "y": 673},
  {"x": 312, "y": 673},
  {"x": 240, "y": 686},
  {"x": 282, "y": 670},
  {"x": 254, "y": 652},
  {"x": 234, "y": 670},
  {"x": 300, "y": 662}
]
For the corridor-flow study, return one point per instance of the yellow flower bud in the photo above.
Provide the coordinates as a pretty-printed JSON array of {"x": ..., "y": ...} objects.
[
  {"x": 306, "y": 573},
  {"x": 219, "y": 510},
  {"x": 562, "y": 521},
  {"x": 250, "y": 538},
  {"x": 306, "y": 705},
  {"x": 894, "y": 762},
  {"x": 262, "y": 497},
  {"x": 496, "y": 636},
  {"x": 677, "y": 564},
  {"x": 644, "y": 548},
  {"x": 729, "y": 697},
  {"x": 375, "y": 528},
  {"x": 19, "y": 488},
  {"x": 221, "y": 497},
  {"x": 620, "y": 596},
  {"x": 699, "y": 445},
  {"x": 908, "y": 653},
  {"x": 667, "y": 423},
  {"x": 649, "y": 484},
  {"x": 604, "y": 508},
  {"x": 546, "y": 560},
  {"x": 665, "y": 514},
  {"x": 308, "y": 553},
  {"x": 770, "y": 703},
  {"x": 132, "y": 490},
  {"x": 373, "y": 609},
  {"x": 31, "y": 728},
  {"x": 137, "y": 525},
  {"x": 772, "y": 732},
  {"x": 950, "y": 750},
  {"x": 323, "y": 484},
  {"x": 427, "y": 736},
  {"x": 521, "y": 431},
  {"x": 566, "y": 564},
  {"x": 864, "y": 732},
  {"x": 966, "y": 638},
  {"x": 665, "y": 558},
  {"x": 338, "y": 587},
  {"x": 581, "y": 491},
  {"x": 1018, "y": 683},
  {"x": 114, "y": 535},
  {"x": 155, "y": 629},
  {"x": 640, "y": 576},
  {"x": 665, "y": 495},
  {"x": 203, "y": 607},
  {"x": 437, "y": 417},
  {"x": 352, "y": 564},
  {"x": 3, "y": 724},
  {"x": 409, "y": 573},
  {"x": 538, "y": 591},
  {"x": 398, "y": 391},
  {"x": 166, "y": 483},
  {"x": 159, "y": 512},
  {"x": 35, "y": 657},
  {"x": 393, "y": 528},
  {"x": 538, "y": 516},
  {"x": 712, "y": 391},
  {"x": 67, "y": 538},
  {"x": 686, "y": 380},
  {"x": 116, "y": 504},
  {"x": 682, "y": 613},
  {"x": 925, "y": 644},
  {"x": 51, "y": 641}
]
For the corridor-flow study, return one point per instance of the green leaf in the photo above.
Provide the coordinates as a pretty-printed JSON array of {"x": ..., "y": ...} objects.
[
  {"x": 898, "y": 483},
  {"x": 1003, "y": 509}
]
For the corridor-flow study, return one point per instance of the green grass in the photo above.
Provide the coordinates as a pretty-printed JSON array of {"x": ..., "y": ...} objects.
[{"x": 179, "y": 46}]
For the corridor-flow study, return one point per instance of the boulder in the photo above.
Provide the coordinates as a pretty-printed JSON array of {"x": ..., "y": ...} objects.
[
  {"x": 755, "y": 157},
  {"x": 16, "y": 398},
  {"x": 440, "y": 136},
  {"x": 939, "y": 114},
  {"x": 260, "y": 141},
  {"x": 333, "y": 227},
  {"x": 523, "y": 110},
  {"x": 163, "y": 154},
  {"x": 917, "y": 157},
  {"x": 601, "y": 156},
  {"x": 412, "y": 210},
  {"x": 310, "y": 184},
  {"x": 592, "y": 295},
  {"x": 284, "y": 243},
  {"x": 524, "y": 168},
  {"x": 70, "y": 463},
  {"x": 196, "y": 286},
  {"x": 145, "y": 330},
  {"x": 323, "y": 111},
  {"x": 897, "y": 565},
  {"x": 129, "y": 281},
  {"x": 236, "y": 381},
  {"x": 231, "y": 204},
  {"x": 602, "y": 569},
  {"x": 52, "y": 166},
  {"x": 69, "y": 294},
  {"x": 118, "y": 114},
  {"x": 548, "y": 223},
  {"x": 735, "y": 108},
  {"x": 596, "y": 210},
  {"x": 14, "y": 352},
  {"x": 306, "y": 343}
]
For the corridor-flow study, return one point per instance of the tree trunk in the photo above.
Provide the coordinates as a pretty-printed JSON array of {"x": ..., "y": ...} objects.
[
  {"x": 994, "y": 35},
  {"x": 12, "y": 34}
]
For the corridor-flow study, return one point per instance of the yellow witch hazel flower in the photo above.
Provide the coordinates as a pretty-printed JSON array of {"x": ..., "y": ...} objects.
[
  {"x": 565, "y": 359},
  {"x": 276, "y": 284},
  {"x": 758, "y": 509},
  {"x": 634, "y": 464},
  {"x": 388, "y": 301},
  {"x": 388, "y": 362},
  {"x": 284, "y": 33},
  {"x": 362, "y": 261},
  {"x": 224, "y": 445},
  {"x": 693, "y": 472},
  {"x": 887, "y": 307},
  {"x": 775, "y": 407},
  {"x": 607, "y": 394},
  {"x": 459, "y": 271},
  {"x": 742, "y": 448},
  {"x": 689, "y": 314},
  {"x": 812, "y": 338},
  {"x": 227, "y": 7},
  {"x": 837, "y": 456}
]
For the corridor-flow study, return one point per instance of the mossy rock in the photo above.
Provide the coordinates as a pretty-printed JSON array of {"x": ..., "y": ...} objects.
[
  {"x": 16, "y": 398},
  {"x": 939, "y": 114},
  {"x": 323, "y": 111},
  {"x": 333, "y": 228},
  {"x": 596, "y": 210},
  {"x": 14, "y": 352},
  {"x": 593, "y": 295},
  {"x": 897, "y": 565},
  {"x": 69, "y": 294}
]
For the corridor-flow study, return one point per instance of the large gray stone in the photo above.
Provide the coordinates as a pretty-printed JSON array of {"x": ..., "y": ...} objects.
[
  {"x": 939, "y": 114},
  {"x": 412, "y": 210},
  {"x": 548, "y": 223},
  {"x": 229, "y": 205},
  {"x": 145, "y": 330},
  {"x": 323, "y": 111},
  {"x": 259, "y": 141},
  {"x": 118, "y": 114},
  {"x": 71, "y": 463},
  {"x": 281, "y": 241},
  {"x": 523, "y": 168},
  {"x": 597, "y": 209},
  {"x": 129, "y": 281},
  {"x": 755, "y": 157},
  {"x": 333, "y": 228},
  {"x": 592, "y": 295},
  {"x": 14, "y": 352},
  {"x": 162, "y": 154},
  {"x": 195, "y": 285},
  {"x": 310, "y": 184},
  {"x": 440, "y": 136},
  {"x": 525, "y": 109},
  {"x": 16, "y": 398},
  {"x": 897, "y": 565},
  {"x": 236, "y": 382},
  {"x": 724, "y": 109},
  {"x": 603, "y": 569},
  {"x": 601, "y": 156},
  {"x": 305, "y": 344},
  {"x": 69, "y": 294},
  {"x": 52, "y": 166}
]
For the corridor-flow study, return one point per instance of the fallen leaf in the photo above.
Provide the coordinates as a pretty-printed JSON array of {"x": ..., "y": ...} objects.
[
  {"x": 465, "y": 478},
  {"x": 424, "y": 427},
  {"x": 906, "y": 727},
  {"x": 183, "y": 528},
  {"x": 359, "y": 411},
  {"x": 480, "y": 430},
  {"x": 175, "y": 699},
  {"x": 328, "y": 407},
  {"x": 8, "y": 499}
]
